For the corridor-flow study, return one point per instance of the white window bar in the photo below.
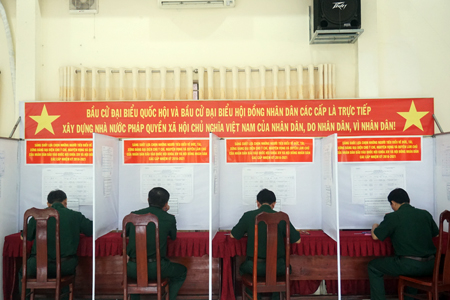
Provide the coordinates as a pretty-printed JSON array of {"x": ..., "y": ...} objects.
[{"x": 184, "y": 71}]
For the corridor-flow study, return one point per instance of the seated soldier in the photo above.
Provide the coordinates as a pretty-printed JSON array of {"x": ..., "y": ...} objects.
[
  {"x": 158, "y": 200},
  {"x": 266, "y": 202},
  {"x": 71, "y": 224},
  {"x": 411, "y": 231}
]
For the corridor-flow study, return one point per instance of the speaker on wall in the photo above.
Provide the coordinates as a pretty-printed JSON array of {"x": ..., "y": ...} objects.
[{"x": 332, "y": 14}]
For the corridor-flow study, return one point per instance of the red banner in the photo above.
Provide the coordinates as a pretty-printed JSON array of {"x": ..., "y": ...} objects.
[
  {"x": 59, "y": 152},
  {"x": 380, "y": 149},
  {"x": 166, "y": 151},
  {"x": 268, "y": 118},
  {"x": 269, "y": 150}
]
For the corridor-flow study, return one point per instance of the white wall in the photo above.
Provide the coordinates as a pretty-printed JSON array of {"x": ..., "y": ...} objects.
[
  {"x": 7, "y": 115},
  {"x": 407, "y": 39},
  {"x": 414, "y": 45}
]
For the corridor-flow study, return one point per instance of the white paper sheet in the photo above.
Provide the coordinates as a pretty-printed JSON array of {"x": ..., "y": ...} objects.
[
  {"x": 107, "y": 160},
  {"x": 177, "y": 180},
  {"x": 280, "y": 180},
  {"x": 372, "y": 184},
  {"x": 445, "y": 160},
  {"x": 107, "y": 170},
  {"x": 327, "y": 177},
  {"x": 327, "y": 165},
  {"x": 444, "y": 164},
  {"x": 2, "y": 163},
  {"x": 2, "y": 171},
  {"x": 173, "y": 203},
  {"x": 73, "y": 204},
  {"x": 75, "y": 182}
]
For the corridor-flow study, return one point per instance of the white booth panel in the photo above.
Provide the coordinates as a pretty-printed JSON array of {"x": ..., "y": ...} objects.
[
  {"x": 330, "y": 204},
  {"x": 330, "y": 196},
  {"x": 106, "y": 184},
  {"x": 214, "y": 181},
  {"x": 9, "y": 187},
  {"x": 299, "y": 197},
  {"x": 442, "y": 174},
  {"x": 214, "y": 198}
]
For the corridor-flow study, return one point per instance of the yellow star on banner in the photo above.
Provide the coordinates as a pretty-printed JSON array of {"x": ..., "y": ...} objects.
[
  {"x": 44, "y": 121},
  {"x": 413, "y": 117}
]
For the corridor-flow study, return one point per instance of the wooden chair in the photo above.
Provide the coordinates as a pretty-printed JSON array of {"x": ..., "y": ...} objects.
[
  {"x": 439, "y": 281},
  {"x": 42, "y": 280},
  {"x": 271, "y": 282},
  {"x": 142, "y": 285}
]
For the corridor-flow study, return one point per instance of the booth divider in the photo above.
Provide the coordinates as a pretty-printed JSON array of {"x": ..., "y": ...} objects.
[
  {"x": 9, "y": 188},
  {"x": 106, "y": 190},
  {"x": 330, "y": 196},
  {"x": 214, "y": 199}
]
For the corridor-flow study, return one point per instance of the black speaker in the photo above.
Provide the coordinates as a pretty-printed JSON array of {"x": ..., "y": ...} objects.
[{"x": 332, "y": 14}]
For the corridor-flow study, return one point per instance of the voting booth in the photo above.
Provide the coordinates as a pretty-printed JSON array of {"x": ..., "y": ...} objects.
[
  {"x": 187, "y": 182},
  {"x": 330, "y": 164}
]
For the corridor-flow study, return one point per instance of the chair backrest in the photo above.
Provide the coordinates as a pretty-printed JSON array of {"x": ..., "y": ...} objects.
[
  {"x": 444, "y": 246},
  {"x": 140, "y": 223},
  {"x": 271, "y": 220},
  {"x": 42, "y": 217}
]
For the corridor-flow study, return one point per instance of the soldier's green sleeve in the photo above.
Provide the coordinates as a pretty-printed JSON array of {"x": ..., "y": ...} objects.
[
  {"x": 85, "y": 226},
  {"x": 240, "y": 229},
  {"x": 435, "y": 229},
  {"x": 294, "y": 234},
  {"x": 173, "y": 229},
  {"x": 386, "y": 227}
]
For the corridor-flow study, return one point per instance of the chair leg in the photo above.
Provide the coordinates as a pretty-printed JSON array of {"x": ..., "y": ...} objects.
[
  {"x": 57, "y": 292},
  {"x": 243, "y": 292},
  {"x": 32, "y": 294},
  {"x": 15, "y": 277},
  {"x": 400, "y": 290},
  {"x": 23, "y": 291},
  {"x": 436, "y": 295},
  {"x": 167, "y": 292},
  {"x": 71, "y": 291}
]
